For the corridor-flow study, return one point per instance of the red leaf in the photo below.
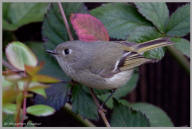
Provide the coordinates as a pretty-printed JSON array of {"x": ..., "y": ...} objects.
[{"x": 88, "y": 28}]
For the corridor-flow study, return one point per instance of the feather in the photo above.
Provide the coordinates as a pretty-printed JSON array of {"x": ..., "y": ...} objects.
[{"x": 146, "y": 46}]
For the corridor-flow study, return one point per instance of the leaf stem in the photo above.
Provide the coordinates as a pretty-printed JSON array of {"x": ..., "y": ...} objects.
[
  {"x": 65, "y": 20},
  {"x": 25, "y": 92},
  {"x": 102, "y": 114},
  {"x": 180, "y": 58}
]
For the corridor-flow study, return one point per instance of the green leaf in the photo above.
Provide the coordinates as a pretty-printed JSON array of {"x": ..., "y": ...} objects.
[
  {"x": 83, "y": 104},
  {"x": 157, "y": 53},
  {"x": 143, "y": 33},
  {"x": 155, "y": 12},
  {"x": 19, "y": 14},
  {"x": 146, "y": 33},
  {"x": 123, "y": 116},
  {"x": 19, "y": 54},
  {"x": 40, "y": 110},
  {"x": 9, "y": 108},
  {"x": 54, "y": 30},
  {"x": 51, "y": 67},
  {"x": 182, "y": 45},
  {"x": 38, "y": 90},
  {"x": 179, "y": 23},
  {"x": 156, "y": 116},
  {"x": 120, "y": 19}
]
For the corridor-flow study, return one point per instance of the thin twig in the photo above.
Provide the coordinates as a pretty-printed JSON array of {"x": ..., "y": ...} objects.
[
  {"x": 65, "y": 20},
  {"x": 102, "y": 114},
  {"x": 25, "y": 92}
]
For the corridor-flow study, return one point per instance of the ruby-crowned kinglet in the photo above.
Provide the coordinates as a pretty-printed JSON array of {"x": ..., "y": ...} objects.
[{"x": 102, "y": 64}]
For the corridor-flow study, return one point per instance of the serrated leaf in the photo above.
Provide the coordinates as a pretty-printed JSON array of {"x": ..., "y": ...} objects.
[
  {"x": 53, "y": 30},
  {"x": 179, "y": 23},
  {"x": 83, "y": 104},
  {"x": 19, "y": 14},
  {"x": 44, "y": 79},
  {"x": 156, "y": 12},
  {"x": 57, "y": 96},
  {"x": 89, "y": 28},
  {"x": 157, "y": 53},
  {"x": 19, "y": 54},
  {"x": 40, "y": 110},
  {"x": 143, "y": 33},
  {"x": 123, "y": 116},
  {"x": 156, "y": 116},
  {"x": 182, "y": 45},
  {"x": 120, "y": 19},
  {"x": 9, "y": 108}
]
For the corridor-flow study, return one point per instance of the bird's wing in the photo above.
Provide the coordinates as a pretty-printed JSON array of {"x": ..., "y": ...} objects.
[{"x": 131, "y": 61}]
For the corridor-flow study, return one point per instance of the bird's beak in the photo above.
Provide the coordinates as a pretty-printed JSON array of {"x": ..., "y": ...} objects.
[{"x": 51, "y": 52}]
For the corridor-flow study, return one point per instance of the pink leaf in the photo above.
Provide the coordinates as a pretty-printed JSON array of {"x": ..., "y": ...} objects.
[{"x": 88, "y": 28}]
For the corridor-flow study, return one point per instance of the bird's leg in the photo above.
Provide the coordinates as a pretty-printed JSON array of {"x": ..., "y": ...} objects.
[{"x": 108, "y": 97}]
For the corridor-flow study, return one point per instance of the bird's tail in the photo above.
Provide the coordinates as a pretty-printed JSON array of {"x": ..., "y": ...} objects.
[{"x": 152, "y": 44}]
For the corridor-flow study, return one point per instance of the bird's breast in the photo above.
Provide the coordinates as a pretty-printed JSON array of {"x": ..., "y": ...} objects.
[{"x": 118, "y": 79}]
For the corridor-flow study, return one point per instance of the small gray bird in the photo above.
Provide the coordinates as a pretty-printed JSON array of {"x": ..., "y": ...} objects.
[{"x": 103, "y": 64}]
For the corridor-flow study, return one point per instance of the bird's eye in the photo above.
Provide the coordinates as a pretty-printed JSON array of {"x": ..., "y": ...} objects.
[{"x": 66, "y": 51}]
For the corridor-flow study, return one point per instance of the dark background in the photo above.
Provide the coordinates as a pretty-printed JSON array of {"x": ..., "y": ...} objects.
[{"x": 164, "y": 84}]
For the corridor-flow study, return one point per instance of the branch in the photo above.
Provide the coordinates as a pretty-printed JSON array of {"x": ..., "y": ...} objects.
[
  {"x": 65, "y": 20},
  {"x": 102, "y": 114},
  {"x": 83, "y": 121},
  {"x": 92, "y": 93},
  {"x": 180, "y": 58}
]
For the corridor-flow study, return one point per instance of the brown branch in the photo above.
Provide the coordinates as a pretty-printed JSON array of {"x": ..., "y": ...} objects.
[
  {"x": 102, "y": 114},
  {"x": 65, "y": 20}
]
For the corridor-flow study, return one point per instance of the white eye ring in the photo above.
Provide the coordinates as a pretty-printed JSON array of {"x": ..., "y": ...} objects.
[{"x": 66, "y": 51}]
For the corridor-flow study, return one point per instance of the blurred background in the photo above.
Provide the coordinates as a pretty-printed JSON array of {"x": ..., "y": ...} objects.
[{"x": 164, "y": 84}]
